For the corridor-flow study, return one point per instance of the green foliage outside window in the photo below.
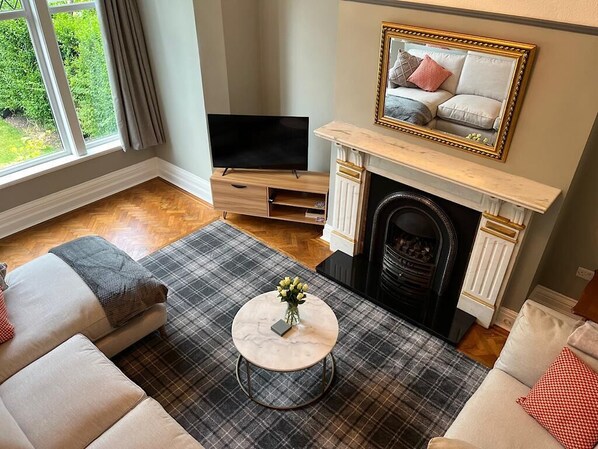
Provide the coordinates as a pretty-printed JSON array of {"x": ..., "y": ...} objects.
[{"x": 21, "y": 88}]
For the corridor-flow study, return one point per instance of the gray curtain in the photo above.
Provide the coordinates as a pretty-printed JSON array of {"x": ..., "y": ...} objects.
[{"x": 136, "y": 103}]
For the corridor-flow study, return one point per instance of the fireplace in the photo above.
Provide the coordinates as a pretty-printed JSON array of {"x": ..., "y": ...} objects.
[
  {"x": 502, "y": 205},
  {"x": 416, "y": 248}
]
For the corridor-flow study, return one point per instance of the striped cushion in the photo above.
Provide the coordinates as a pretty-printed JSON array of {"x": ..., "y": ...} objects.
[
  {"x": 7, "y": 330},
  {"x": 565, "y": 402}
]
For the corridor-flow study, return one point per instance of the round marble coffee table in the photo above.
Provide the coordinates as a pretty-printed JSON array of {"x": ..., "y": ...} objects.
[{"x": 302, "y": 347}]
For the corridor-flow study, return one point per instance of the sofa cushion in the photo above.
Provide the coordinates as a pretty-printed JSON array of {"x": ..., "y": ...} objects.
[
  {"x": 429, "y": 75},
  {"x": 147, "y": 426},
  {"x": 491, "y": 419},
  {"x": 402, "y": 69},
  {"x": 486, "y": 76},
  {"x": 449, "y": 443},
  {"x": 430, "y": 99},
  {"x": 70, "y": 396},
  {"x": 7, "y": 330},
  {"x": 11, "y": 435},
  {"x": 45, "y": 317},
  {"x": 565, "y": 402},
  {"x": 451, "y": 62},
  {"x": 536, "y": 327},
  {"x": 472, "y": 110}
]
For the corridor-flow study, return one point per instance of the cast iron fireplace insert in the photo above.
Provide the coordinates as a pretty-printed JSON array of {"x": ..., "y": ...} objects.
[{"x": 416, "y": 251}]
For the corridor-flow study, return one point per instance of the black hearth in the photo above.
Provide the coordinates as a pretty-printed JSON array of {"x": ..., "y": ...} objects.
[{"x": 416, "y": 251}]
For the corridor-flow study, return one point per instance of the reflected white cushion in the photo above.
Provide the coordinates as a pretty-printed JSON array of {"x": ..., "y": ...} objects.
[
  {"x": 69, "y": 397},
  {"x": 491, "y": 419},
  {"x": 486, "y": 76},
  {"x": 471, "y": 110},
  {"x": 147, "y": 426},
  {"x": 453, "y": 63},
  {"x": 48, "y": 303},
  {"x": 449, "y": 443},
  {"x": 430, "y": 99}
]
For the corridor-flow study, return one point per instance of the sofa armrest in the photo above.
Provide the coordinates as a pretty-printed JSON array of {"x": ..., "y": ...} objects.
[{"x": 536, "y": 339}]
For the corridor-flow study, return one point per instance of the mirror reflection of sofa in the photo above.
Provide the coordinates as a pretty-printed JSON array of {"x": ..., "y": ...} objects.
[{"x": 470, "y": 101}]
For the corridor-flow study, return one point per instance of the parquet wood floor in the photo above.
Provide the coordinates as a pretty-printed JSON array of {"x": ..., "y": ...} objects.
[{"x": 151, "y": 215}]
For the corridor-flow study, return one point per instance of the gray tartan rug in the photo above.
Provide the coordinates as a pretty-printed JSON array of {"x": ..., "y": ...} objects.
[{"x": 395, "y": 387}]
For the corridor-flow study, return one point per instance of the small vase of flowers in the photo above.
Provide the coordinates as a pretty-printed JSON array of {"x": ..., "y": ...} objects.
[{"x": 293, "y": 293}]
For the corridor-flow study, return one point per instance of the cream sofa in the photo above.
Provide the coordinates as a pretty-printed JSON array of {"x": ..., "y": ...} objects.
[
  {"x": 472, "y": 99},
  {"x": 491, "y": 419},
  {"x": 57, "y": 389}
]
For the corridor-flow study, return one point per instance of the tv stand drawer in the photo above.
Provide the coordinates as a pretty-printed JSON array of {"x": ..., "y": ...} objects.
[{"x": 240, "y": 198}]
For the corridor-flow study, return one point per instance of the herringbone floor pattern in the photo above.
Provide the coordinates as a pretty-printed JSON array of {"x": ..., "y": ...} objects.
[{"x": 151, "y": 215}]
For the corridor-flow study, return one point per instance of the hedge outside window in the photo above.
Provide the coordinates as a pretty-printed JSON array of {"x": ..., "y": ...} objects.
[{"x": 55, "y": 96}]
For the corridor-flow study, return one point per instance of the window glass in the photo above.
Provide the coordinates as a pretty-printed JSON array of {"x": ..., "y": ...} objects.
[
  {"x": 10, "y": 5},
  {"x": 80, "y": 42},
  {"x": 27, "y": 127}
]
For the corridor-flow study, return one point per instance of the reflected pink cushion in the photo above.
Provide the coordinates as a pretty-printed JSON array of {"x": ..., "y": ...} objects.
[
  {"x": 429, "y": 75},
  {"x": 7, "y": 330}
]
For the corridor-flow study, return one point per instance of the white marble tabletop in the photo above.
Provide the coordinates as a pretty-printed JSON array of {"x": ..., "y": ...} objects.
[{"x": 303, "y": 346}]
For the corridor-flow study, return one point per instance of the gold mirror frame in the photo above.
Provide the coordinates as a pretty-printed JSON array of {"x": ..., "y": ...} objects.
[{"x": 522, "y": 54}]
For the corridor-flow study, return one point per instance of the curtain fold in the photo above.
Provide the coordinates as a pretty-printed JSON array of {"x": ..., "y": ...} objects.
[{"x": 135, "y": 99}]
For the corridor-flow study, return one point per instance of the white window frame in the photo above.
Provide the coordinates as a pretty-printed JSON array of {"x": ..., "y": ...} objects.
[{"x": 38, "y": 16}]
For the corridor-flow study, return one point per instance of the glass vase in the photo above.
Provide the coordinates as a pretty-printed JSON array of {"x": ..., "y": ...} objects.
[{"x": 291, "y": 317}]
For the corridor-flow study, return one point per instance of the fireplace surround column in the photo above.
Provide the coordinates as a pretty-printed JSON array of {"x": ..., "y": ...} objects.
[{"x": 349, "y": 200}]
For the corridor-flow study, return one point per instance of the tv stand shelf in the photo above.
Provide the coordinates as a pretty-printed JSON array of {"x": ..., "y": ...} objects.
[{"x": 272, "y": 194}]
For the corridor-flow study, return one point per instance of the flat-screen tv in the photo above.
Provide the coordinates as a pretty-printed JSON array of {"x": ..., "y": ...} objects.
[{"x": 259, "y": 142}]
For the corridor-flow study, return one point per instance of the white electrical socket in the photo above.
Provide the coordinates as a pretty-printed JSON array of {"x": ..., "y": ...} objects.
[{"x": 584, "y": 273}]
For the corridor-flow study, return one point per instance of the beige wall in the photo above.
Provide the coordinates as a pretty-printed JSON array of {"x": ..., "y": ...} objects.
[
  {"x": 241, "y": 24},
  {"x": 555, "y": 121},
  {"x": 575, "y": 240},
  {"x": 298, "y": 48},
  {"x": 172, "y": 41},
  {"x": 209, "y": 26},
  {"x": 582, "y": 12}
]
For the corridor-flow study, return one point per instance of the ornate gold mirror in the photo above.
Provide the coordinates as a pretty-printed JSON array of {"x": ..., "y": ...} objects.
[{"x": 461, "y": 90}]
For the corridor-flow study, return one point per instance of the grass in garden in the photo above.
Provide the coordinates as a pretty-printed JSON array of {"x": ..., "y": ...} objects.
[{"x": 15, "y": 147}]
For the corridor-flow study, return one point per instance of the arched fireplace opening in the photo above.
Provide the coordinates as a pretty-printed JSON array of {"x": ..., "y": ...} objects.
[{"x": 412, "y": 253}]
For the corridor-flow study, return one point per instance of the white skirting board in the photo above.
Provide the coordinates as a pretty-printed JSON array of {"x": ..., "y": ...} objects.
[
  {"x": 185, "y": 180},
  {"x": 55, "y": 204},
  {"x": 543, "y": 295}
]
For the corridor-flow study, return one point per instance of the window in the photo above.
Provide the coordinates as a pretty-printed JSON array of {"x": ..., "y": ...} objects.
[{"x": 55, "y": 96}]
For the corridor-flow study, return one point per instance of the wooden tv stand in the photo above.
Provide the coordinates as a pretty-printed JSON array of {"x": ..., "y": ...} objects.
[{"x": 272, "y": 194}]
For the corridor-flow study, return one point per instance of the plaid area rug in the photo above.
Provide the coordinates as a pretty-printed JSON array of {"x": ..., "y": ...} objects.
[{"x": 396, "y": 386}]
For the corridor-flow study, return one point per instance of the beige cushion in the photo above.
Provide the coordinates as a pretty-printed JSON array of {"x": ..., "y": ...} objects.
[
  {"x": 11, "y": 435},
  {"x": 70, "y": 396},
  {"x": 47, "y": 303},
  {"x": 471, "y": 110},
  {"x": 491, "y": 419},
  {"x": 430, "y": 99},
  {"x": 451, "y": 62},
  {"x": 147, "y": 426},
  {"x": 449, "y": 443},
  {"x": 486, "y": 76},
  {"x": 536, "y": 339}
]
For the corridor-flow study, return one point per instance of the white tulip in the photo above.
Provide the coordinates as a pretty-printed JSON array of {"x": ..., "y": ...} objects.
[
  {"x": 300, "y": 296},
  {"x": 284, "y": 293},
  {"x": 304, "y": 287}
]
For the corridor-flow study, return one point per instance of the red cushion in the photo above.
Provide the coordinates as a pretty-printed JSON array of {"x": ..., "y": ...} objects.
[
  {"x": 429, "y": 75},
  {"x": 7, "y": 330},
  {"x": 565, "y": 402}
]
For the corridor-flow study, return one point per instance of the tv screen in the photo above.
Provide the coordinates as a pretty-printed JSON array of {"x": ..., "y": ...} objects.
[{"x": 261, "y": 142}]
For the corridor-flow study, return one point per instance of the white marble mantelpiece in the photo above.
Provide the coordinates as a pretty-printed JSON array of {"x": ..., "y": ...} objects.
[
  {"x": 506, "y": 202},
  {"x": 306, "y": 344},
  {"x": 513, "y": 189}
]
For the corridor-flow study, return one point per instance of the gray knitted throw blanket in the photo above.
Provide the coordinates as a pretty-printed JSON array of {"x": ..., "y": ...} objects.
[{"x": 123, "y": 287}]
